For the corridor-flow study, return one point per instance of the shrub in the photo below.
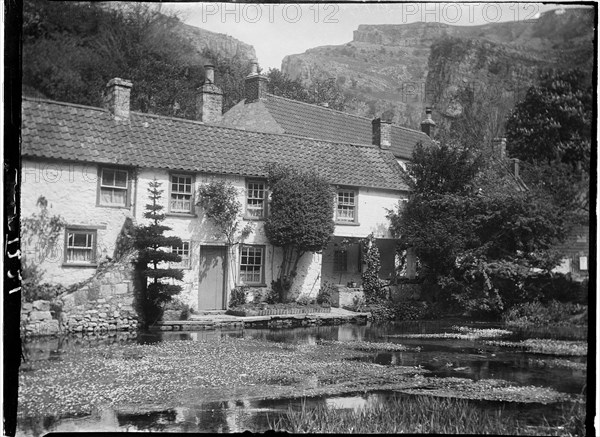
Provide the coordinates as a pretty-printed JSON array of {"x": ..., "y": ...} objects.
[
  {"x": 44, "y": 291},
  {"x": 305, "y": 300},
  {"x": 324, "y": 294},
  {"x": 238, "y": 296},
  {"x": 184, "y": 308},
  {"x": 411, "y": 310},
  {"x": 272, "y": 295},
  {"x": 554, "y": 313}
]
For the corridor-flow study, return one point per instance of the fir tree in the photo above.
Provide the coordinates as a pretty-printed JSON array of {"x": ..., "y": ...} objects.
[{"x": 152, "y": 256}]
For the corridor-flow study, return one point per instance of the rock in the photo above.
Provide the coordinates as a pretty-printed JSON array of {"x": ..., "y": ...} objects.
[
  {"x": 41, "y": 305},
  {"x": 78, "y": 328},
  {"x": 26, "y": 307},
  {"x": 40, "y": 315},
  {"x": 101, "y": 300},
  {"x": 121, "y": 289},
  {"x": 49, "y": 327},
  {"x": 102, "y": 315},
  {"x": 116, "y": 314}
]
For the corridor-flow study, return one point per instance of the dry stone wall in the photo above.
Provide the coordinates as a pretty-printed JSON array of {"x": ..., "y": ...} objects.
[{"x": 104, "y": 303}]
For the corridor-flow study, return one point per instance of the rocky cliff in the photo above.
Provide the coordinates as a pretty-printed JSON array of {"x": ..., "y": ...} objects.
[
  {"x": 225, "y": 45},
  {"x": 409, "y": 66}
]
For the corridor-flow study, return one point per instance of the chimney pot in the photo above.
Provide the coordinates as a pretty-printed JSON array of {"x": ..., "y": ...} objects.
[
  {"x": 209, "y": 73},
  {"x": 209, "y": 102},
  {"x": 382, "y": 133},
  {"x": 118, "y": 97},
  {"x": 255, "y": 84},
  {"x": 428, "y": 125}
]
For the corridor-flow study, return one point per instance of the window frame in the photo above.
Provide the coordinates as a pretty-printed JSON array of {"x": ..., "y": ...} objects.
[
  {"x": 261, "y": 282},
  {"x": 355, "y": 194},
  {"x": 191, "y": 211},
  {"x": 186, "y": 262},
  {"x": 81, "y": 230},
  {"x": 127, "y": 187},
  {"x": 265, "y": 200}
]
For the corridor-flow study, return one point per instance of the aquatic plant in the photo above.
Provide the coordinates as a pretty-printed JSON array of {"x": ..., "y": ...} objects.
[
  {"x": 546, "y": 346},
  {"x": 416, "y": 414}
]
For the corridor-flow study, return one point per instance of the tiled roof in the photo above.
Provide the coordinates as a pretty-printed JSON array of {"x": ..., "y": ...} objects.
[
  {"x": 313, "y": 121},
  {"x": 80, "y": 133}
]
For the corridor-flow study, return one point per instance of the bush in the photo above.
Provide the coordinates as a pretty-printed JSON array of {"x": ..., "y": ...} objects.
[
  {"x": 324, "y": 294},
  {"x": 411, "y": 310},
  {"x": 554, "y": 313},
  {"x": 44, "y": 291},
  {"x": 305, "y": 300},
  {"x": 272, "y": 295},
  {"x": 176, "y": 305},
  {"x": 238, "y": 296}
]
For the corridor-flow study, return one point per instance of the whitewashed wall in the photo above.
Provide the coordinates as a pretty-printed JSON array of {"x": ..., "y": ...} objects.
[{"x": 71, "y": 191}]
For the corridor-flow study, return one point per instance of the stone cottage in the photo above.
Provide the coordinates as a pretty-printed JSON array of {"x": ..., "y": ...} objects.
[{"x": 93, "y": 166}]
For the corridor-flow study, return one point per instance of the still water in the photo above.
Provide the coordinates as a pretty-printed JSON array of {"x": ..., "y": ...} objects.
[{"x": 443, "y": 357}]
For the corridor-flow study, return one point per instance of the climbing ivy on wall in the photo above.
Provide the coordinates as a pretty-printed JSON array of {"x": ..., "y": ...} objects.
[{"x": 372, "y": 286}]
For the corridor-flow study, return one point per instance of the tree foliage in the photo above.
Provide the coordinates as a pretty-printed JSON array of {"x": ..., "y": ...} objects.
[
  {"x": 319, "y": 91},
  {"x": 72, "y": 49},
  {"x": 476, "y": 233},
  {"x": 551, "y": 130},
  {"x": 301, "y": 215},
  {"x": 219, "y": 202},
  {"x": 153, "y": 258}
]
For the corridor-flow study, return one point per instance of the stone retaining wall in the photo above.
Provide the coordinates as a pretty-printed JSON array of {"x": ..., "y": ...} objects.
[{"x": 101, "y": 304}]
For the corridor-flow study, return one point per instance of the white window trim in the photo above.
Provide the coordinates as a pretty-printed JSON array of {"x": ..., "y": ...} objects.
[
  {"x": 264, "y": 199},
  {"x": 262, "y": 265},
  {"x": 189, "y": 211},
  {"x": 342, "y": 221},
  {"x": 113, "y": 187},
  {"x": 93, "y": 232}
]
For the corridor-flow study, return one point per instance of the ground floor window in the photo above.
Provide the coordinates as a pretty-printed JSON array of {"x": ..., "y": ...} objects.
[
  {"x": 252, "y": 262},
  {"x": 184, "y": 252},
  {"x": 80, "y": 246}
]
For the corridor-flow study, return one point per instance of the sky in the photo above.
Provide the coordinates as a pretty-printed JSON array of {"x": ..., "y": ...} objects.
[{"x": 276, "y": 30}]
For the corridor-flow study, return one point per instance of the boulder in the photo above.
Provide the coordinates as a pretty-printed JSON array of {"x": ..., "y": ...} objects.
[
  {"x": 26, "y": 307},
  {"x": 41, "y": 305},
  {"x": 40, "y": 315}
]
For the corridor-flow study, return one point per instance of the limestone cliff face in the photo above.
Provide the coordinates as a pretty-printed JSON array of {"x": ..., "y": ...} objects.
[
  {"x": 225, "y": 45},
  {"x": 409, "y": 66}
]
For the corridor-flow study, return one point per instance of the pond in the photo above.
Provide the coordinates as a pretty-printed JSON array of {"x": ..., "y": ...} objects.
[{"x": 246, "y": 408}]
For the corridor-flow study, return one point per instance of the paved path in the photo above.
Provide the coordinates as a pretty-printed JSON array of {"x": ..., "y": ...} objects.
[{"x": 218, "y": 319}]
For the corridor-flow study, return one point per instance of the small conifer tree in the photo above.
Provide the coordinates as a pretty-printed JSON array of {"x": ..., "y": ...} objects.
[{"x": 151, "y": 243}]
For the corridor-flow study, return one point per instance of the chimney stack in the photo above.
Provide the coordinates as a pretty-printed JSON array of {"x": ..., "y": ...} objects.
[
  {"x": 428, "y": 125},
  {"x": 499, "y": 148},
  {"x": 256, "y": 84},
  {"x": 382, "y": 133},
  {"x": 209, "y": 103},
  {"x": 118, "y": 97}
]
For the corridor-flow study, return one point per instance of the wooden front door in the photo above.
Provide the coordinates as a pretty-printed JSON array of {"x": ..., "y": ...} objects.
[{"x": 211, "y": 290}]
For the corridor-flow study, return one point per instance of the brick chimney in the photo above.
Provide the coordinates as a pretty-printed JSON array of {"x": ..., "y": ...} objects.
[
  {"x": 209, "y": 103},
  {"x": 428, "y": 125},
  {"x": 382, "y": 133},
  {"x": 116, "y": 100},
  {"x": 256, "y": 84},
  {"x": 499, "y": 148}
]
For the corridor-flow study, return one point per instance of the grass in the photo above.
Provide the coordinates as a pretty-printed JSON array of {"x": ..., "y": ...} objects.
[
  {"x": 464, "y": 333},
  {"x": 546, "y": 346},
  {"x": 422, "y": 414}
]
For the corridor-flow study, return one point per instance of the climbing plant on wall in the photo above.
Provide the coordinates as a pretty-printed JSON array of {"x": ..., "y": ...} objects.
[
  {"x": 372, "y": 287},
  {"x": 153, "y": 256}
]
